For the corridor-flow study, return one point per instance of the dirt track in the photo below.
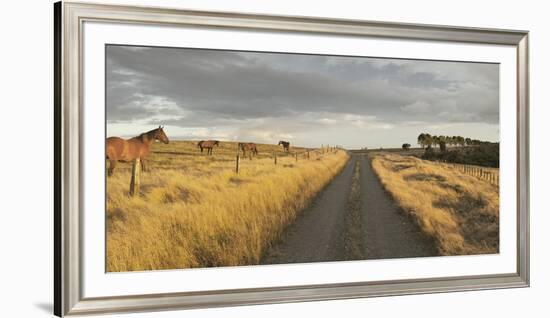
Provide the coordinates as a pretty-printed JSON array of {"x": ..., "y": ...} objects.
[{"x": 322, "y": 232}]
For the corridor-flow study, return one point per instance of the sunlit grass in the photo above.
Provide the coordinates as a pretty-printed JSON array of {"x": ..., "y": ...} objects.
[
  {"x": 459, "y": 211},
  {"x": 195, "y": 211}
]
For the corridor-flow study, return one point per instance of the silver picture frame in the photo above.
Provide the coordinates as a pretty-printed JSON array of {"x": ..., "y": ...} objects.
[{"x": 68, "y": 21}]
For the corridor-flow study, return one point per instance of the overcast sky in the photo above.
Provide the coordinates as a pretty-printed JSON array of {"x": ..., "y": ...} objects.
[{"x": 308, "y": 100}]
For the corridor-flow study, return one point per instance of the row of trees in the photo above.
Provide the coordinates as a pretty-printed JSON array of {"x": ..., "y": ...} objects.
[{"x": 427, "y": 140}]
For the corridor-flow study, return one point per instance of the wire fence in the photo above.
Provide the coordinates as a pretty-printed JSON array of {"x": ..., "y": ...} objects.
[
  {"x": 307, "y": 154},
  {"x": 490, "y": 175}
]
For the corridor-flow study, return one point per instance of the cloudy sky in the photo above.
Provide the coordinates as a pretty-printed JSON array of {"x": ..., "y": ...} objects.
[{"x": 307, "y": 99}]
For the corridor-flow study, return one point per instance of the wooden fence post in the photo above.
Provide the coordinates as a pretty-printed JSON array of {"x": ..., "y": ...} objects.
[
  {"x": 237, "y": 165},
  {"x": 135, "y": 181},
  {"x": 275, "y": 157},
  {"x": 296, "y": 155},
  {"x": 308, "y": 154}
]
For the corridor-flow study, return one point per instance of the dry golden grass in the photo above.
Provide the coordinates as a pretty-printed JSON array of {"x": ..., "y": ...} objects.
[
  {"x": 459, "y": 211},
  {"x": 195, "y": 211}
]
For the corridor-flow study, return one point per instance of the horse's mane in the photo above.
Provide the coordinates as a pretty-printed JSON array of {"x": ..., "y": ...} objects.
[{"x": 147, "y": 133}]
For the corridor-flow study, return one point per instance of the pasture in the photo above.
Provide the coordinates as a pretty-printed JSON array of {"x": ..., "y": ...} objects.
[
  {"x": 458, "y": 210},
  {"x": 194, "y": 210}
]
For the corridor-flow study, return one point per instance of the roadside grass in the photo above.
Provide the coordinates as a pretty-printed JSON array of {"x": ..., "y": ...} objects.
[
  {"x": 195, "y": 211},
  {"x": 459, "y": 211}
]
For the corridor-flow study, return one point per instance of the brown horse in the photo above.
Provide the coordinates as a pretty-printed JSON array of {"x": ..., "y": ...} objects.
[
  {"x": 248, "y": 146},
  {"x": 208, "y": 145},
  {"x": 118, "y": 149},
  {"x": 286, "y": 145}
]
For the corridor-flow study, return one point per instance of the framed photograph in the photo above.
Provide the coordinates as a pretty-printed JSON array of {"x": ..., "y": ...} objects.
[{"x": 207, "y": 159}]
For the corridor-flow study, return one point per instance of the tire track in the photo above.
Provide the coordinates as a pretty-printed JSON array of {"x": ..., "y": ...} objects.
[
  {"x": 317, "y": 235},
  {"x": 388, "y": 231}
]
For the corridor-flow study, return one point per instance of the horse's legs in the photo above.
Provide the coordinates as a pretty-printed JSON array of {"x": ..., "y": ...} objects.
[
  {"x": 143, "y": 165},
  {"x": 112, "y": 164}
]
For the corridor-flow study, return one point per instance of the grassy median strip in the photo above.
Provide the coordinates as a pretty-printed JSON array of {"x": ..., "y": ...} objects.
[
  {"x": 353, "y": 241},
  {"x": 459, "y": 211},
  {"x": 195, "y": 211}
]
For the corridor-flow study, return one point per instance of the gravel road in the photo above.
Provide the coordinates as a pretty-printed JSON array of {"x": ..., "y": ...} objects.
[{"x": 322, "y": 232}]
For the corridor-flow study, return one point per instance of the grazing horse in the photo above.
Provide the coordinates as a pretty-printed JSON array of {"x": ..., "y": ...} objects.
[
  {"x": 118, "y": 149},
  {"x": 286, "y": 145},
  {"x": 248, "y": 146},
  {"x": 208, "y": 145}
]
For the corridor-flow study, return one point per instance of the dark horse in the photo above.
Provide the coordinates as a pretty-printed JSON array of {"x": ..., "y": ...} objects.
[
  {"x": 118, "y": 149},
  {"x": 286, "y": 145},
  {"x": 208, "y": 145},
  {"x": 248, "y": 146}
]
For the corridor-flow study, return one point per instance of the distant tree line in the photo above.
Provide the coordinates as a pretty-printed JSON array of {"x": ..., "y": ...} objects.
[
  {"x": 484, "y": 153},
  {"x": 427, "y": 141}
]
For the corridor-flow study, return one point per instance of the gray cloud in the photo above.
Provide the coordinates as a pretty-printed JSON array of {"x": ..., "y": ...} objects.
[{"x": 290, "y": 93}]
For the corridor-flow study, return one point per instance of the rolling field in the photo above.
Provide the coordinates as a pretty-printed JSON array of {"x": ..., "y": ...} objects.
[
  {"x": 459, "y": 211},
  {"x": 195, "y": 211}
]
